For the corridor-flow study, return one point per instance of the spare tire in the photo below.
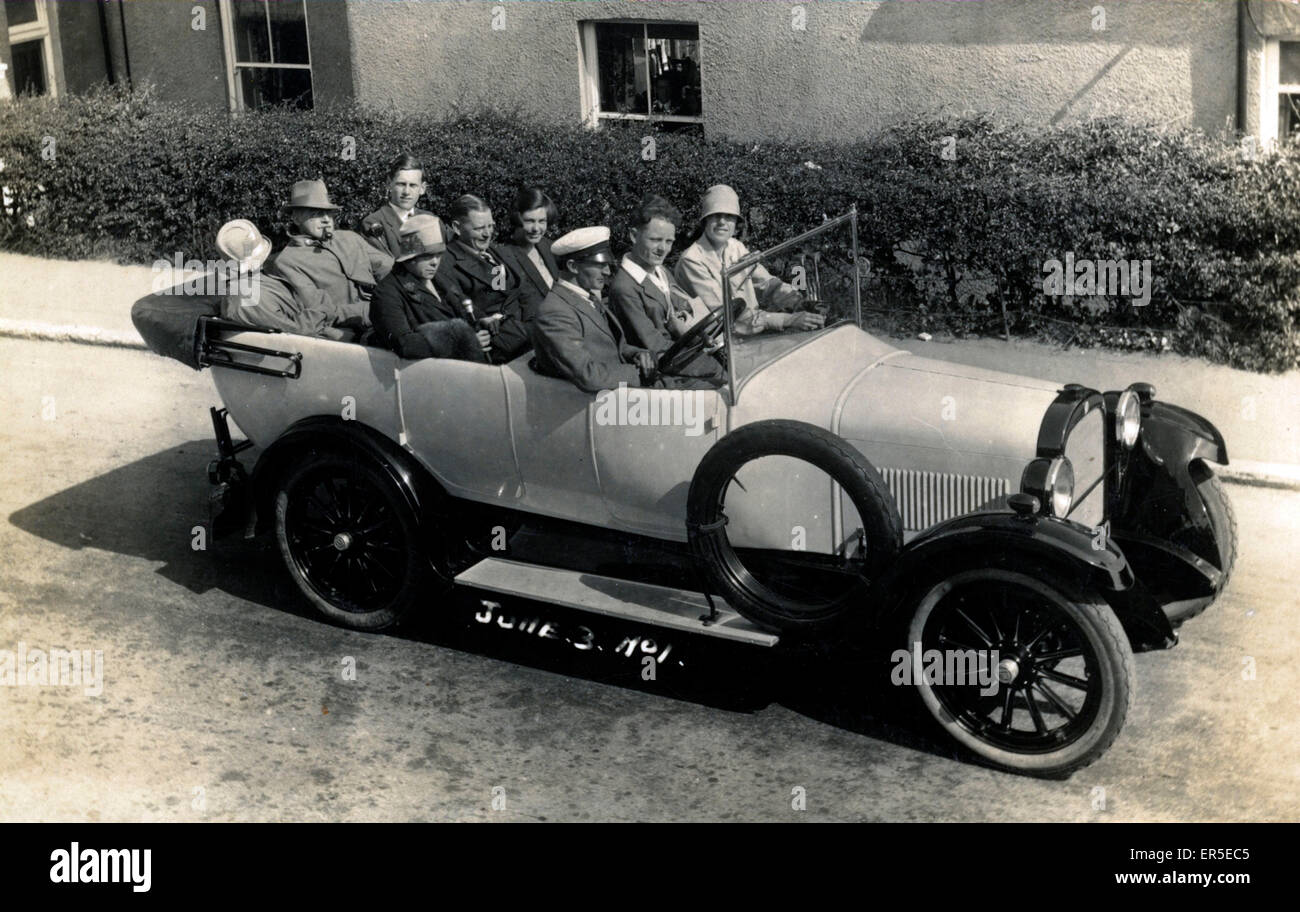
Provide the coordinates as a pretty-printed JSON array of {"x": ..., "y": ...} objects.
[{"x": 724, "y": 571}]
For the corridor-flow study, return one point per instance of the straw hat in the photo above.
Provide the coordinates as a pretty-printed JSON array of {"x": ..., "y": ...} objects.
[{"x": 240, "y": 240}]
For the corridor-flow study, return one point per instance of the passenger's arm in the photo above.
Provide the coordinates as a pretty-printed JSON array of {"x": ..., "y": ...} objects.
[
  {"x": 381, "y": 261},
  {"x": 393, "y": 328},
  {"x": 696, "y": 279}
]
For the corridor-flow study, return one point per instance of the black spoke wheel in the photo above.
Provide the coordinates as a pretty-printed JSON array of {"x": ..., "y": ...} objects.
[
  {"x": 1033, "y": 676},
  {"x": 349, "y": 540}
]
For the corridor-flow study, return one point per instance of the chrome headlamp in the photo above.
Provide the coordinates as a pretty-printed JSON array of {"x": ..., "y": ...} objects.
[
  {"x": 1052, "y": 482},
  {"x": 1128, "y": 418}
]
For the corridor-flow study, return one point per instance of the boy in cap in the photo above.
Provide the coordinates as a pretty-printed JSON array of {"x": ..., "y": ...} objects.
[
  {"x": 414, "y": 308},
  {"x": 339, "y": 263},
  {"x": 405, "y": 187}
]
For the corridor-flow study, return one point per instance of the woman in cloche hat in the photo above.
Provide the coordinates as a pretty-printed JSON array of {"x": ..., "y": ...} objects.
[{"x": 699, "y": 270}]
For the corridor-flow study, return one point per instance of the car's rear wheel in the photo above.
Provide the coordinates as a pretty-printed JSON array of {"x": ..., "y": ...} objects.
[
  {"x": 1062, "y": 664},
  {"x": 350, "y": 540}
]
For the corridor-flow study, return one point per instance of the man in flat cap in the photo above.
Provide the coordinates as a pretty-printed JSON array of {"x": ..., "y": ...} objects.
[
  {"x": 414, "y": 308},
  {"x": 340, "y": 263},
  {"x": 575, "y": 336}
]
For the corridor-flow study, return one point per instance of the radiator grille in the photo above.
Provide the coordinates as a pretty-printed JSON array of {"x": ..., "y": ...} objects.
[
  {"x": 1086, "y": 450},
  {"x": 926, "y": 498}
]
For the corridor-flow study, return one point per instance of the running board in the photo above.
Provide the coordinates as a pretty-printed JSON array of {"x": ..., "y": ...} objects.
[{"x": 676, "y": 609}]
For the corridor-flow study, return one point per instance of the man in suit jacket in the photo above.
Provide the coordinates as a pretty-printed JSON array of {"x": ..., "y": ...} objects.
[
  {"x": 482, "y": 276},
  {"x": 382, "y": 227},
  {"x": 653, "y": 309},
  {"x": 413, "y": 312},
  {"x": 575, "y": 336}
]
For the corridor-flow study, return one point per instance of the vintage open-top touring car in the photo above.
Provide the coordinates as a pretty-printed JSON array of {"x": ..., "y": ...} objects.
[{"x": 833, "y": 488}]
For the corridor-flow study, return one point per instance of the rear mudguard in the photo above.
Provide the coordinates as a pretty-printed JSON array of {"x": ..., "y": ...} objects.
[
  {"x": 1067, "y": 549},
  {"x": 435, "y": 511},
  {"x": 1157, "y": 513}
]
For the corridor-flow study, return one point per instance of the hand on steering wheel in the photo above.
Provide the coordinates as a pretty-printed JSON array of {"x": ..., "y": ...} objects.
[{"x": 694, "y": 342}]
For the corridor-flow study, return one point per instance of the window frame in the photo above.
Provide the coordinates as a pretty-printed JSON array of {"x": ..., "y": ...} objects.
[
  {"x": 589, "y": 73},
  {"x": 33, "y": 31},
  {"x": 234, "y": 90}
]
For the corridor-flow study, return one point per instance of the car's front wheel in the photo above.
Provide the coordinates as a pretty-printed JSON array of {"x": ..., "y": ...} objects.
[
  {"x": 349, "y": 540},
  {"x": 1053, "y": 670}
]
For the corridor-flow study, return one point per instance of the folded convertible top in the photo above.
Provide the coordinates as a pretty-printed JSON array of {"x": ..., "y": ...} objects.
[{"x": 168, "y": 322}]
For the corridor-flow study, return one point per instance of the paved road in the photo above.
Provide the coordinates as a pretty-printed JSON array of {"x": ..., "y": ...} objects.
[{"x": 223, "y": 698}]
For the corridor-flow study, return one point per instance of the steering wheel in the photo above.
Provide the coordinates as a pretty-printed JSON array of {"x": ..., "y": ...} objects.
[{"x": 695, "y": 340}]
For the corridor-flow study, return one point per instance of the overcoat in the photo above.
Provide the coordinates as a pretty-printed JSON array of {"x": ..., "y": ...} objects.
[
  {"x": 345, "y": 267},
  {"x": 401, "y": 305}
]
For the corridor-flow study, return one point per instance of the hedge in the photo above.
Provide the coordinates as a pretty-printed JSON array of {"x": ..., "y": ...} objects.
[{"x": 958, "y": 216}]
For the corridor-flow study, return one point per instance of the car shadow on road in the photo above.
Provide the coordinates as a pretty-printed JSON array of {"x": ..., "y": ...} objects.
[
  {"x": 846, "y": 689},
  {"x": 156, "y": 509}
]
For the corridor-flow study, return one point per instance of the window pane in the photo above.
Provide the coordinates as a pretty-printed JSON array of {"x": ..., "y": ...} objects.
[
  {"x": 673, "y": 30},
  {"x": 620, "y": 68},
  {"x": 251, "y": 42},
  {"x": 20, "y": 12},
  {"x": 1288, "y": 118},
  {"x": 263, "y": 87},
  {"x": 29, "y": 67},
  {"x": 675, "y": 69},
  {"x": 288, "y": 31},
  {"x": 1288, "y": 59}
]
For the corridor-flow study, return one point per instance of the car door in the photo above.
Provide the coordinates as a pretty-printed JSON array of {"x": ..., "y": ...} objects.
[
  {"x": 550, "y": 424},
  {"x": 454, "y": 417},
  {"x": 648, "y": 443}
]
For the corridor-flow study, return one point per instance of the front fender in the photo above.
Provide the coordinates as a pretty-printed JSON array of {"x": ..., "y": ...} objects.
[
  {"x": 1158, "y": 497},
  {"x": 1064, "y": 548},
  {"x": 1174, "y": 436}
]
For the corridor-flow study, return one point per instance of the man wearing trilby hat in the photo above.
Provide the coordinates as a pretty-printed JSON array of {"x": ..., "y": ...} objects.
[
  {"x": 414, "y": 308},
  {"x": 340, "y": 263}
]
